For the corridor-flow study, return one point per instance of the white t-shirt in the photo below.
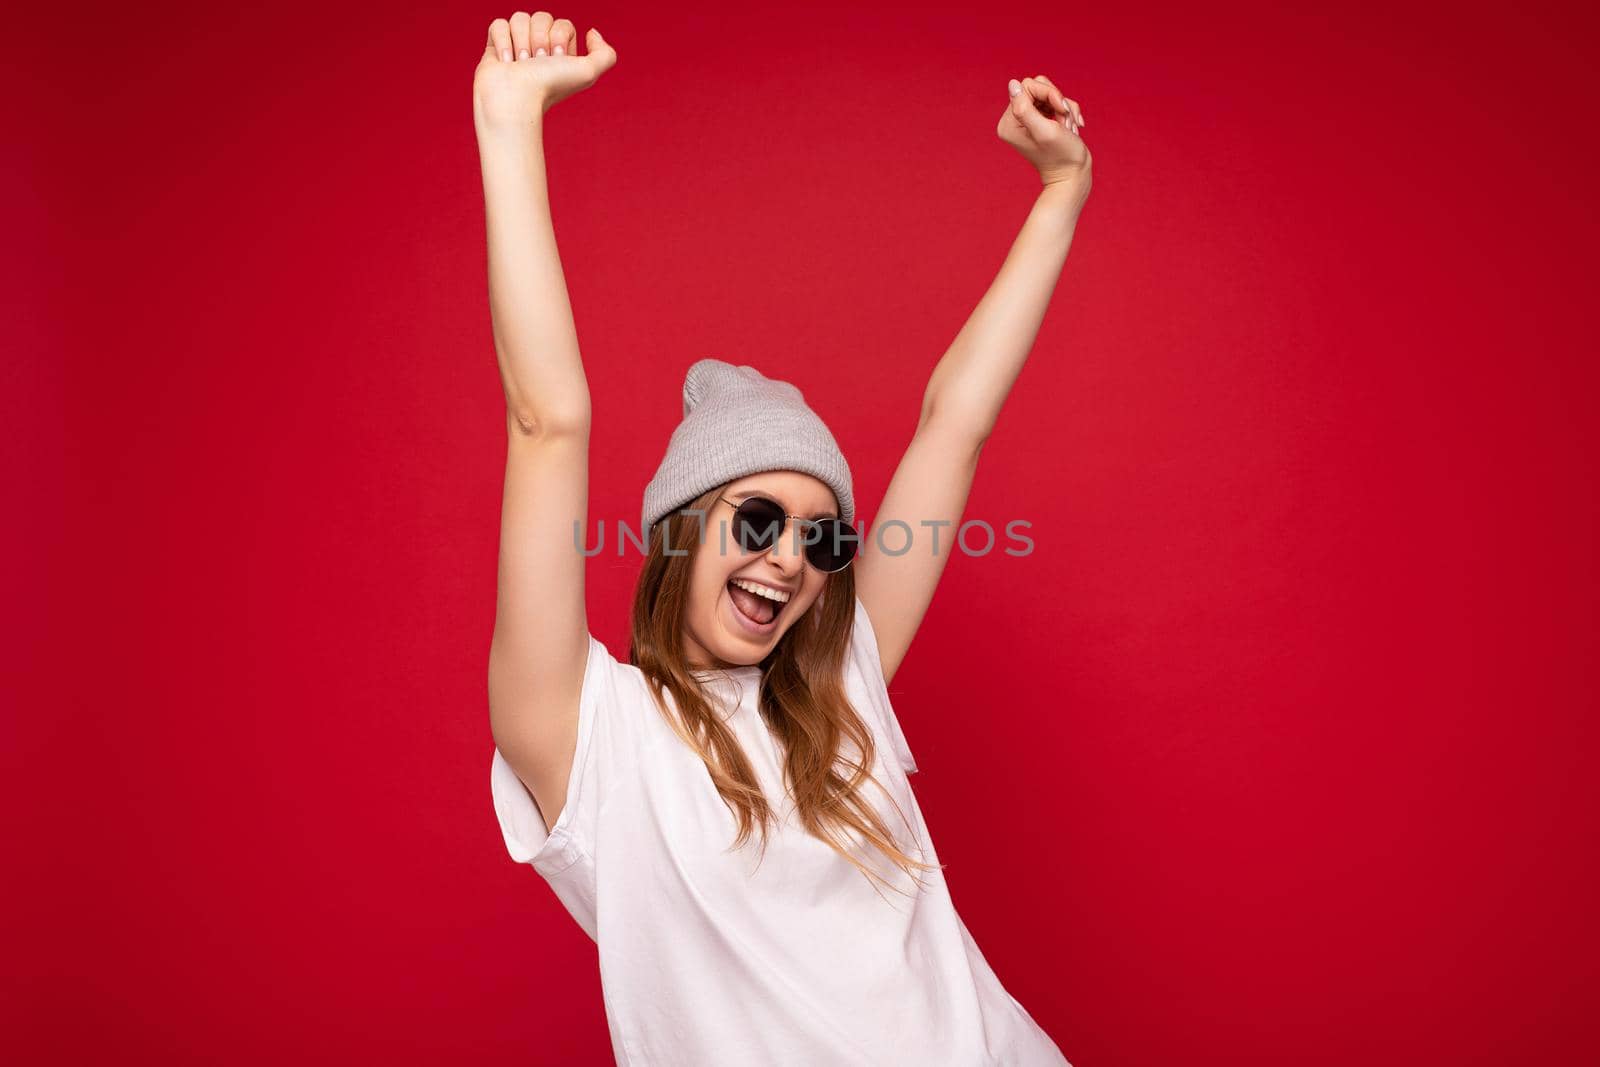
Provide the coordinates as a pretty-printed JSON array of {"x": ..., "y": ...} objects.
[{"x": 791, "y": 959}]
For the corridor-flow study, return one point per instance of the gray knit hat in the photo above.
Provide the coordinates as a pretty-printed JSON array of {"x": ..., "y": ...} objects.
[{"x": 738, "y": 422}]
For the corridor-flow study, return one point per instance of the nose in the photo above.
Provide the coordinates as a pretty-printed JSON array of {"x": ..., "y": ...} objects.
[{"x": 788, "y": 552}]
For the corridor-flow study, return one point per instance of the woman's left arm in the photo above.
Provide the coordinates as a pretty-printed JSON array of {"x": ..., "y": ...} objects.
[{"x": 969, "y": 386}]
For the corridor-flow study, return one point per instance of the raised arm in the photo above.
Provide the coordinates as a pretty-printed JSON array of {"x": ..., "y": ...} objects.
[
  {"x": 540, "y": 644},
  {"x": 968, "y": 387}
]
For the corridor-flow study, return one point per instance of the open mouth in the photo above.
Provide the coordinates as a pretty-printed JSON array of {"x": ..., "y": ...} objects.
[{"x": 760, "y": 609}]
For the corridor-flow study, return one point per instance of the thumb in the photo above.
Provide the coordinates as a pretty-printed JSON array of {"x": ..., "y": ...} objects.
[
  {"x": 601, "y": 54},
  {"x": 1039, "y": 127}
]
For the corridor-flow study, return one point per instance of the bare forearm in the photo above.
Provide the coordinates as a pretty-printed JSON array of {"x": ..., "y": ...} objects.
[
  {"x": 534, "y": 335},
  {"x": 970, "y": 384}
]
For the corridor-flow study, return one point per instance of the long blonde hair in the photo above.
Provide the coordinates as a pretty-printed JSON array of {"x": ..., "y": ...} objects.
[{"x": 802, "y": 699}]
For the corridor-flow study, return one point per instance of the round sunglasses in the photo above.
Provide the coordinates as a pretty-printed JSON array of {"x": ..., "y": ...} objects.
[{"x": 830, "y": 544}]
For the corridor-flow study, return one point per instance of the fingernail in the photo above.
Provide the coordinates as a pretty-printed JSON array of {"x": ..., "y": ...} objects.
[
  {"x": 561, "y": 49},
  {"x": 1014, "y": 87},
  {"x": 539, "y": 51},
  {"x": 522, "y": 54},
  {"x": 505, "y": 55}
]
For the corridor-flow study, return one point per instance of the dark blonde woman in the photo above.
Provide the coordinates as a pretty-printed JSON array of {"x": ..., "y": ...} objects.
[{"x": 727, "y": 814}]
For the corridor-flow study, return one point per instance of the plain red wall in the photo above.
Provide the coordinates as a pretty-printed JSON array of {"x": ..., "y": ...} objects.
[{"x": 1276, "y": 750}]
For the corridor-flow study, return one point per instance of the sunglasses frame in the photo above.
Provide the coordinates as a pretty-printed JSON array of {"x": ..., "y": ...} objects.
[{"x": 808, "y": 544}]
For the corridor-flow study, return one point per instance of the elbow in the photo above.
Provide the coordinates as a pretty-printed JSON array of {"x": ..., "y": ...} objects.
[
  {"x": 547, "y": 410},
  {"x": 950, "y": 420},
  {"x": 526, "y": 423}
]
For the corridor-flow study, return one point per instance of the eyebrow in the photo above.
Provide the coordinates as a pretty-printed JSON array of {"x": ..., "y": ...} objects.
[{"x": 745, "y": 494}]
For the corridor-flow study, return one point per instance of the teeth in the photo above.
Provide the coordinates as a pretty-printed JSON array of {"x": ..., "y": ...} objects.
[{"x": 761, "y": 590}]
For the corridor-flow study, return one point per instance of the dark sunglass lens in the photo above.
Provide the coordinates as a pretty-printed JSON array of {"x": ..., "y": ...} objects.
[
  {"x": 758, "y": 524},
  {"x": 834, "y": 545}
]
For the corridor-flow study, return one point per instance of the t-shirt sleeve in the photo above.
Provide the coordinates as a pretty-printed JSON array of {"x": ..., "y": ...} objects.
[
  {"x": 564, "y": 853},
  {"x": 868, "y": 665}
]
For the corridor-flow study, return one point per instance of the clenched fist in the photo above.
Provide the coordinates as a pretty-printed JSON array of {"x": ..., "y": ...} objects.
[
  {"x": 530, "y": 64},
  {"x": 1043, "y": 125}
]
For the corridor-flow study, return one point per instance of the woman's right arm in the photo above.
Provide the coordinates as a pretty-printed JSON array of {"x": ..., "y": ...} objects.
[{"x": 541, "y": 633}]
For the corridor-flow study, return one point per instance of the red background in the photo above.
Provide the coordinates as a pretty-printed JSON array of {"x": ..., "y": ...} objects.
[{"x": 1275, "y": 750}]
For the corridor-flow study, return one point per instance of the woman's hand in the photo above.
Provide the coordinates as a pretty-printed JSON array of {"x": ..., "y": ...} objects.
[
  {"x": 529, "y": 65},
  {"x": 1043, "y": 125}
]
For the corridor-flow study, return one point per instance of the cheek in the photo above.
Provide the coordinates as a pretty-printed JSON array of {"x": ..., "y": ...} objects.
[
  {"x": 710, "y": 573},
  {"x": 705, "y": 584},
  {"x": 811, "y": 593}
]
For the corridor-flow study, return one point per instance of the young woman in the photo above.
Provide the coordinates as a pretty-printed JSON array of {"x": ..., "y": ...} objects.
[{"x": 727, "y": 814}]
